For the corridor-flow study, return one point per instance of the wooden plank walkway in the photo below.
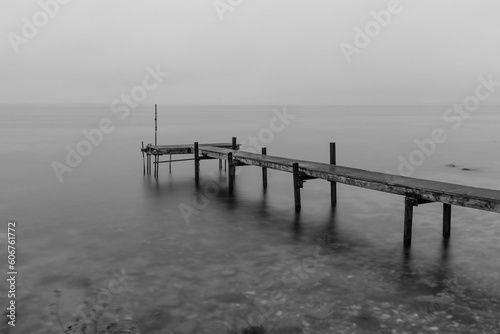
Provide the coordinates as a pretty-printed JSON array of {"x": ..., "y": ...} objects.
[
  {"x": 416, "y": 191},
  {"x": 424, "y": 190}
]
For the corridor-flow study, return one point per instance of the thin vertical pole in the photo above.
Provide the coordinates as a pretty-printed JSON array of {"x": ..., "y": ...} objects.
[
  {"x": 156, "y": 125},
  {"x": 225, "y": 165},
  {"x": 296, "y": 186},
  {"x": 446, "y": 221},
  {"x": 170, "y": 165},
  {"x": 333, "y": 185},
  {"x": 143, "y": 160},
  {"x": 220, "y": 164},
  {"x": 148, "y": 160},
  {"x": 234, "y": 146},
  {"x": 408, "y": 223},
  {"x": 196, "y": 163},
  {"x": 157, "y": 166},
  {"x": 264, "y": 170},
  {"x": 231, "y": 171}
]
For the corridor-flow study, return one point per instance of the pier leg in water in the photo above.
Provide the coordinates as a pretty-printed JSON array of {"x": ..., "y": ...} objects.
[
  {"x": 143, "y": 161},
  {"x": 409, "y": 204},
  {"x": 220, "y": 164},
  {"x": 148, "y": 161},
  {"x": 264, "y": 170},
  {"x": 196, "y": 163},
  {"x": 170, "y": 165},
  {"x": 333, "y": 185},
  {"x": 446, "y": 221},
  {"x": 231, "y": 172},
  {"x": 296, "y": 186}
]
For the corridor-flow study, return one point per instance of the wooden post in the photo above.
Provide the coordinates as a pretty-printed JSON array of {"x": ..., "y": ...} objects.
[
  {"x": 225, "y": 165},
  {"x": 409, "y": 204},
  {"x": 156, "y": 166},
  {"x": 264, "y": 170},
  {"x": 220, "y": 164},
  {"x": 446, "y": 221},
  {"x": 333, "y": 185},
  {"x": 143, "y": 161},
  {"x": 170, "y": 165},
  {"x": 196, "y": 163},
  {"x": 231, "y": 171},
  {"x": 234, "y": 145},
  {"x": 148, "y": 161},
  {"x": 296, "y": 186}
]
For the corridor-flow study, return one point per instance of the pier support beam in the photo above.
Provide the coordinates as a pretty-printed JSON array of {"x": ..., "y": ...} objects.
[
  {"x": 148, "y": 161},
  {"x": 333, "y": 185},
  {"x": 220, "y": 164},
  {"x": 264, "y": 170},
  {"x": 143, "y": 161},
  {"x": 196, "y": 163},
  {"x": 410, "y": 202},
  {"x": 446, "y": 221},
  {"x": 232, "y": 170},
  {"x": 297, "y": 184}
]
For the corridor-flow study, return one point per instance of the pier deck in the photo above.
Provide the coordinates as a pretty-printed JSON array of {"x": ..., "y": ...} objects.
[{"x": 416, "y": 191}]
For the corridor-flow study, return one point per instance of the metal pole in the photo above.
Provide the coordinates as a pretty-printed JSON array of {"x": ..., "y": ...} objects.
[{"x": 156, "y": 125}]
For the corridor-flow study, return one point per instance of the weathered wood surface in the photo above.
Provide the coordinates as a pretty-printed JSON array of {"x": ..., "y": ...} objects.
[
  {"x": 180, "y": 149},
  {"x": 424, "y": 190}
]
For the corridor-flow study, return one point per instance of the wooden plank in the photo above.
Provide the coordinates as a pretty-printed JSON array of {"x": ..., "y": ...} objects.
[
  {"x": 434, "y": 191},
  {"x": 182, "y": 149}
]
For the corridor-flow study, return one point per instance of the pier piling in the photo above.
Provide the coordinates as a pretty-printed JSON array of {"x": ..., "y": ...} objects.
[
  {"x": 231, "y": 175},
  {"x": 410, "y": 202},
  {"x": 296, "y": 186},
  {"x": 196, "y": 163},
  {"x": 446, "y": 221},
  {"x": 333, "y": 184},
  {"x": 264, "y": 170},
  {"x": 143, "y": 160}
]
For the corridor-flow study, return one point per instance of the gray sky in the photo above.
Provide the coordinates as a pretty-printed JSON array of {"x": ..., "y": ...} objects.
[{"x": 263, "y": 52}]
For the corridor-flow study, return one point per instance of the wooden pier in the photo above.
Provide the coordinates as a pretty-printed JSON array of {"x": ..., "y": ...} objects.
[{"x": 416, "y": 191}]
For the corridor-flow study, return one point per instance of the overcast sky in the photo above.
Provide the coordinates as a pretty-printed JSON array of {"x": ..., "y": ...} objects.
[{"x": 264, "y": 51}]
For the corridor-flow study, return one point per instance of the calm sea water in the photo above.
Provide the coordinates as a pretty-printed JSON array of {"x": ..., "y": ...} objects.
[{"x": 207, "y": 274}]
